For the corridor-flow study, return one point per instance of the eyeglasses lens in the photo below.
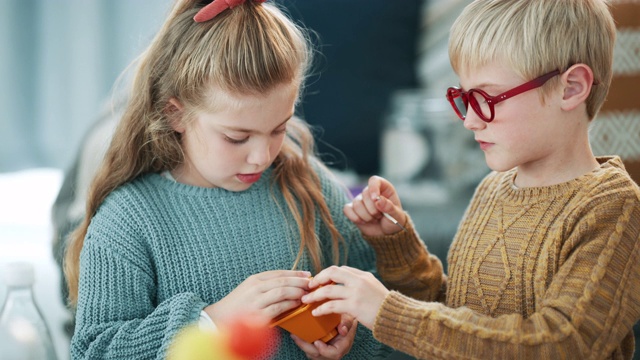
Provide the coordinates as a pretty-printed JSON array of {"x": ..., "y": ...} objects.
[
  {"x": 460, "y": 104},
  {"x": 480, "y": 105}
]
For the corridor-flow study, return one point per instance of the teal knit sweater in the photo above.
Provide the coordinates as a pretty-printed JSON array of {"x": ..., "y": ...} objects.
[{"x": 157, "y": 252}]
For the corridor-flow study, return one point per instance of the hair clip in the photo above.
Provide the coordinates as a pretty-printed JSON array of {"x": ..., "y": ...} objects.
[{"x": 216, "y": 7}]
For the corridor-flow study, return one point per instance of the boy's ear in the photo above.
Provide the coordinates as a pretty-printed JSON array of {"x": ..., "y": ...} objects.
[
  {"x": 174, "y": 111},
  {"x": 577, "y": 82}
]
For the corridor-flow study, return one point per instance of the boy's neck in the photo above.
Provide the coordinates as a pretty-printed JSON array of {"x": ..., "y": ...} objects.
[
  {"x": 525, "y": 179},
  {"x": 572, "y": 161}
]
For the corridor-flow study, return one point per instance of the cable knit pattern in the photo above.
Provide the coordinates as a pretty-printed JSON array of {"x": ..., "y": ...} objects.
[
  {"x": 534, "y": 273},
  {"x": 157, "y": 252}
]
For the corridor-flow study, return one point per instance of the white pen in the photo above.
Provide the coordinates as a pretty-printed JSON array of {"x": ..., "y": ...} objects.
[{"x": 391, "y": 218}]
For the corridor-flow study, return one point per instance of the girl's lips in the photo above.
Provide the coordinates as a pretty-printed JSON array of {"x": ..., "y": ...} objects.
[
  {"x": 249, "y": 178},
  {"x": 484, "y": 145}
]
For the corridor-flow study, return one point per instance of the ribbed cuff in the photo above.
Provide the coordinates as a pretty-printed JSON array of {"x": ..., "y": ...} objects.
[
  {"x": 399, "y": 321},
  {"x": 403, "y": 247}
]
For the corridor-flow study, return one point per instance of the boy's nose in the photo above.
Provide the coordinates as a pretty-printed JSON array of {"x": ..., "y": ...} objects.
[{"x": 473, "y": 121}]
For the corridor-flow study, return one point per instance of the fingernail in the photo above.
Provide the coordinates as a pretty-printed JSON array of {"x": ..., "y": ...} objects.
[
  {"x": 304, "y": 298},
  {"x": 375, "y": 197}
]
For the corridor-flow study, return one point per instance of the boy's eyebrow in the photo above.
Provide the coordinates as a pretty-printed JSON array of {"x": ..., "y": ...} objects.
[
  {"x": 479, "y": 86},
  {"x": 250, "y": 131}
]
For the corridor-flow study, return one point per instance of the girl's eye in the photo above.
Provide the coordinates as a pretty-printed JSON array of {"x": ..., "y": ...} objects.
[
  {"x": 236, "y": 141},
  {"x": 280, "y": 131}
]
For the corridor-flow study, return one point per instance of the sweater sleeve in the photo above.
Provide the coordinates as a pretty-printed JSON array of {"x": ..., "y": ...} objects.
[
  {"x": 359, "y": 255},
  {"x": 588, "y": 308},
  {"x": 405, "y": 265},
  {"x": 117, "y": 314}
]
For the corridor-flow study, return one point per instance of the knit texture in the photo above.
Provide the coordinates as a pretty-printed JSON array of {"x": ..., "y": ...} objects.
[
  {"x": 157, "y": 252},
  {"x": 534, "y": 273}
]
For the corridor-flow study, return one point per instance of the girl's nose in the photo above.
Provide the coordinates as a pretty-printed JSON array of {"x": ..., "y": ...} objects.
[{"x": 260, "y": 154}]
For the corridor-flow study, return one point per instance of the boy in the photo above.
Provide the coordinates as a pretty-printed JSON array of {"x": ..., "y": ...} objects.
[{"x": 546, "y": 261}]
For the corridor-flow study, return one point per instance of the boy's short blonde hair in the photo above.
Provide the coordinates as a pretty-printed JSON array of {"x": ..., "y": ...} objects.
[{"x": 534, "y": 37}]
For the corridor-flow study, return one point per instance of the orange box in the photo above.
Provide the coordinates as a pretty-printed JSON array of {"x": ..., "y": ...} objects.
[{"x": 301, "y": 322}]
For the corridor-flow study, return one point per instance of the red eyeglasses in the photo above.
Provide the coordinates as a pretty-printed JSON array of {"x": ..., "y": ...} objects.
[{"x": 483, "y": 104}]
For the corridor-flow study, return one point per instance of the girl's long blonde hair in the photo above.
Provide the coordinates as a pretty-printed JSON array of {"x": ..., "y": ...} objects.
[{"x": 249, "y": 49}]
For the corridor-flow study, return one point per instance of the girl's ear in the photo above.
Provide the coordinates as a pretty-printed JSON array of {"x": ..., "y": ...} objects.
[
  {"x": 174, "y": 111},
  {"x": 577, "y": 82}
]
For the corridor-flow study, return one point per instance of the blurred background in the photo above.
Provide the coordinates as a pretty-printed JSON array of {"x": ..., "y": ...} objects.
[{"x": 376, "y": 101}]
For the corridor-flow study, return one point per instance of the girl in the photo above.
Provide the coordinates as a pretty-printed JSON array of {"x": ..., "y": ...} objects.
[{"x": 209, "y": 187}]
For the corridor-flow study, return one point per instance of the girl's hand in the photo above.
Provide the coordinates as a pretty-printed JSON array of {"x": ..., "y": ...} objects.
[
  {"x": 366, "y": 209},
  {"x": 338, "y": 347},
  {"x": 356, "y": 293},
  {"x": 264, "y": 295}
]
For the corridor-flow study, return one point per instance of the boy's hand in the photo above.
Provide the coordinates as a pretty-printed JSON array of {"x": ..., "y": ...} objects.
[
  {"x": 338, "y": 347},
  {"x": 366, "y": 209},
  {"x": 356, "y": 293}
]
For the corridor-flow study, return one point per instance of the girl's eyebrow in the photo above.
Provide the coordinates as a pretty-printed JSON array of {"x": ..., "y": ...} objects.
[{"x": 250, "y": 131}]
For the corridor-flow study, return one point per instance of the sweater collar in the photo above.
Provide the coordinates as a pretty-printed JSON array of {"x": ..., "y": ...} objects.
[{"x": 533, "y": 194}]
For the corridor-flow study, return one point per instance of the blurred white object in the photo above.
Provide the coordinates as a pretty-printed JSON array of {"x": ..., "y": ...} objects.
[
  {"x": 26, "y": 233},
  {"x": 426, "y": 151},
  {"x": 404, "y": 153},
  {"x": 24, "y": 333},
  {"x": 406, "y": 139},
  {"x": 26, "y": 196}
]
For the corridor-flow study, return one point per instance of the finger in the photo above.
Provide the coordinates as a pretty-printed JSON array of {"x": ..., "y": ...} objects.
[
  {"x": 346, "y": 323},
  {"x": 349, "y": 331},
  {"x": 382, "y": 187},
  {"x": 282, "y": 294},
  {"x": 275, "y": 309},
  {"x": 343, "y": 274},
  {"x": 386, "y": 206},
  {"x": 331, "y": 307},
  {"x": 350, "y": 213},
  {"x": 328, "y": 292},
  {"x": 333, "y": 273},
  {"x": 343, "y": 329},
  {"x": 308, "y": 348},
  {"x": 266, "y": 295},
  {"x": 360, "y": 208},
  {"x": 273, "y": 274},
  {"x": 370, "y": 204},
  {"x": 322, "y": 348},
  {"x": 284, "y": 283},
  {"x": 373, "y": 185},
  {"x": 338, "y": 346}
]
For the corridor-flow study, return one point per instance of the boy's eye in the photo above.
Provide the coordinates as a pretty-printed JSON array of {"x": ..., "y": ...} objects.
[{"x": 236, "y": 141}]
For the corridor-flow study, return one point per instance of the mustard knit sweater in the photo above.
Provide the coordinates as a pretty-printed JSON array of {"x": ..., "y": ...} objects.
[{"x": 534, "y": 273}]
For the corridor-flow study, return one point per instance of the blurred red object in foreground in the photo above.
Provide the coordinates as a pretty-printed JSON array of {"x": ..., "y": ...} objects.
[
  {"x": 240, "y": 338},
  {"x": 249, "y": 338}
]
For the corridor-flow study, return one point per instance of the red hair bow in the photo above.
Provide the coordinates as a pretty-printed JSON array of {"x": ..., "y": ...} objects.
[{"x": 216, "y": 7}]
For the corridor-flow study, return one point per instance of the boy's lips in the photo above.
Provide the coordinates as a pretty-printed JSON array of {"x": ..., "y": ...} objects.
[
  {"x": 249, "y": 178},
  {"x": 484, "y": 145}
]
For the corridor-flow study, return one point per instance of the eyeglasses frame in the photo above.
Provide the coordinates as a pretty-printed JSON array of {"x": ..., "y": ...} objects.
[{"x": 493, "y": 100}]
